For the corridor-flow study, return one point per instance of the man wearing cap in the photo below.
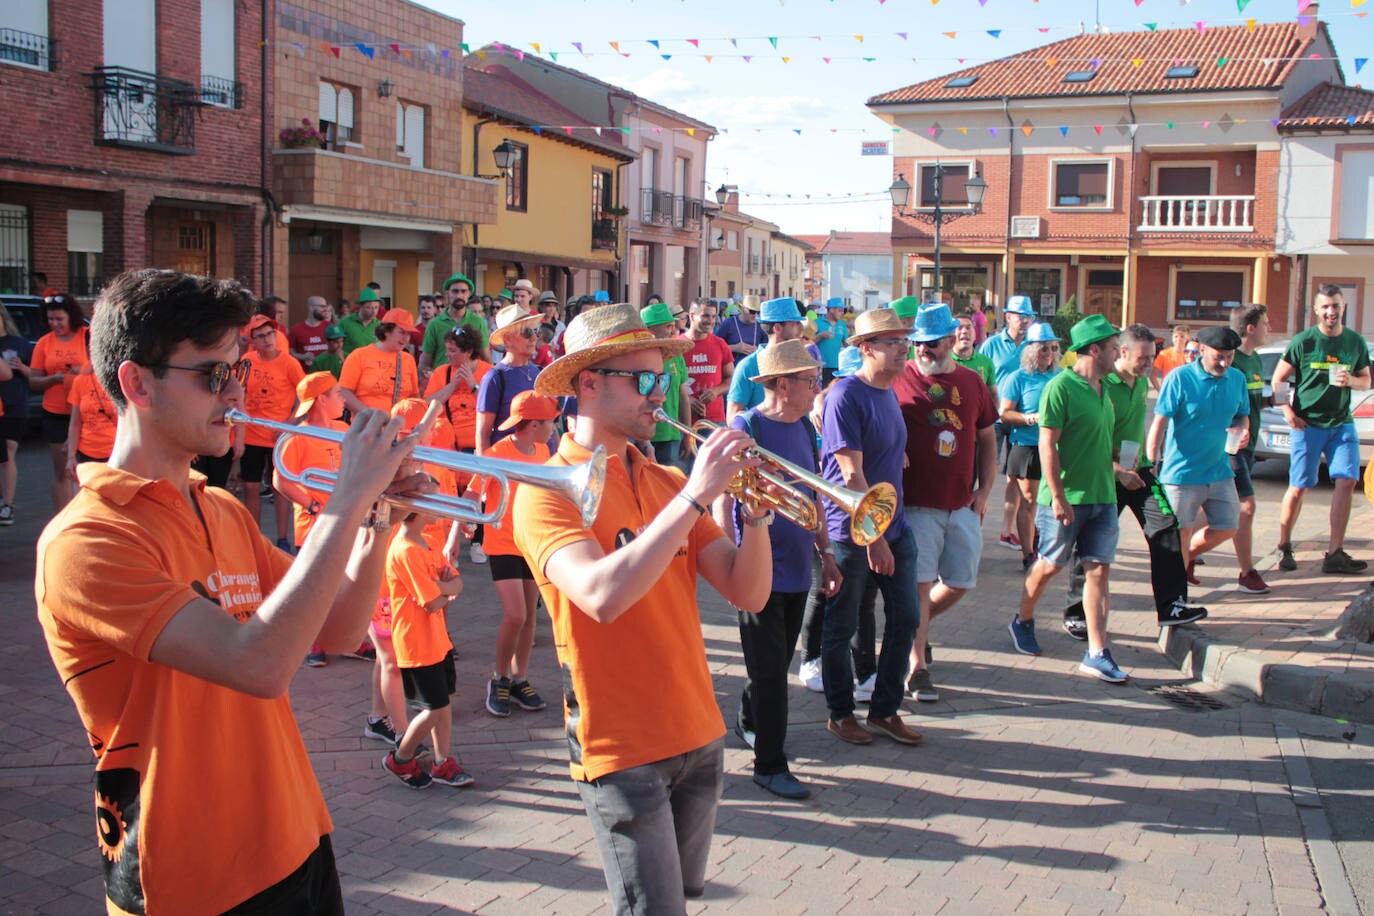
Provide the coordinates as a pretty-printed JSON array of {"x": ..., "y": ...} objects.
[
  {"x": 331, "y": 360},
  {"x": 781, "y": 320},
  {"x": 433, "y": 354},
  {"x": 1198, "y": 404},
  {"x": 307, "y": 339},
  {"x": 270, "y": 394},
  {"x": 1077, "y": 500},
  {"x": 741, "y": 332},
  {"x": 1138, "y": 489},
  {"x": 645, "y": 734},
  {"x": 790, "y": 377},
  {"x": 948, "y": 413},
  {"x": 667, "y": 439},
  {"x": 360, "y": 327},
  {"x": 830, "y": 337},
  {"x": 1004, "y": 349},
  {"x": 708, "y": 363},
  {"x": 863, "y": 443},
  {"x": 965, "y": 355},
  {"x": 1325, "y": 363}
]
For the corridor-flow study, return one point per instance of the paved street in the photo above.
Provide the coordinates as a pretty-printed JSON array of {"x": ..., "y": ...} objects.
[{"x": 1037, "y": 789}]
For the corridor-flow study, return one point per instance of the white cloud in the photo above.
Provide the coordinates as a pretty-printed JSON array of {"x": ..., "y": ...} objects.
[{"x": 662, "y": 84}]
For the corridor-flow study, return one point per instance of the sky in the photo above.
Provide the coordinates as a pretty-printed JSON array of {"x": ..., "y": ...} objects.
[{"x": 816, "y": 180}]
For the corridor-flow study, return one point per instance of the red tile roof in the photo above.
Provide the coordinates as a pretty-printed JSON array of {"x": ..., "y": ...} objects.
[
  {"x": 815, "y": 241},
  {"x": 858, "y": 243},
  {"x": 493, "y": 89},
  {"x": 1227, "y": 57},
  {"x": 1330, "y": 105}
]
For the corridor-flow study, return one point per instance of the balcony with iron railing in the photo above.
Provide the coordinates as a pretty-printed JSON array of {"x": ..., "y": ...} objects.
[
  {"x": 1197, "y": 213},
  {"x": 221, "y": 92},
  {"x": 605, "y": 233},
  {"x": 27, "y": 49},
  {"x": 664, "y": 208},
  {"x": 753, "y": 263},
  {"x": 144, "y": 111}
]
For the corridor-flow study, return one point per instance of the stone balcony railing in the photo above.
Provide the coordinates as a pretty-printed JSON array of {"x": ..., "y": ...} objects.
[{"x": 1207, "y": 213}]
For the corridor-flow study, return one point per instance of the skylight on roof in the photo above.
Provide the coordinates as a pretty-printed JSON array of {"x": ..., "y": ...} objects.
[
  {"x": 1181, "y": 73},
  {"x": 961, "y": 82},
  {"x": 1079, "y": 76}
]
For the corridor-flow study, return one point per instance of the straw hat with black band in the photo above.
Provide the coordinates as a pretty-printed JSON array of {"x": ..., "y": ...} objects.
[
  {"x": 877, "y": 323},
  {"x": 597, "y": 335}
]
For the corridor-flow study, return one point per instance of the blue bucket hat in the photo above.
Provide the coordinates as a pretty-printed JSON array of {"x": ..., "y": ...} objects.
[
  {"x": 834, "y": 302},
  {"x": 774, "y": 311},
  {"x": 850, "y": 361},
  {"x": 932, "y": 323},
  {"x": 1041, "y": 332},
  {"x": 601, "y": 296},
  {"x": 1019, "y": 305}
]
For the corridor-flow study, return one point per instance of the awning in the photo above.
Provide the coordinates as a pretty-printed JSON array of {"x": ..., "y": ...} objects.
[
  {"x": 544, "y": 260},
  {"x": 293, "y": 212}
]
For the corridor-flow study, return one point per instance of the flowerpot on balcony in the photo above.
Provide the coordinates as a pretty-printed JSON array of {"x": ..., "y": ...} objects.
[
  {"x": 304, "y": 137},
  {"x": 615, "y": 212}
]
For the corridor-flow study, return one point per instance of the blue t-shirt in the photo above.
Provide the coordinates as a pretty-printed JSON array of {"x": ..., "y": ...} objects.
[
  {"x": 732, "y": 330},
  {"x": 792, "y": 545},
  {"x": 864, "y": 419},
  {"x": 1200, "y": 408},
  {"x": 1005, "y": 354},
  {"x": 1023, "y": 389},
  {"x": 747, "y": 392},
  {"x": 830, "y": 347},
  {"x": 14, "y": 394},
  {"x": 499, "y": 387}
]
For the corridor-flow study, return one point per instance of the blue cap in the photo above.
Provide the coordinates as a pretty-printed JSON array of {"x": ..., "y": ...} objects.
[
  {"x": 774, "y": 311},
  {"x": 850, "y": 361},
  {"x": 1019, "y": 305},
  {"x": 1041, "y": 332},
  {"x": 601, "y": 296},
  {"x": 932, "y": 323},
  {"x": 834, "y": 302}
]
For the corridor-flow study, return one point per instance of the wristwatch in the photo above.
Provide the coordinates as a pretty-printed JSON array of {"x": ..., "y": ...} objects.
[{"x": 761, "y": 521}]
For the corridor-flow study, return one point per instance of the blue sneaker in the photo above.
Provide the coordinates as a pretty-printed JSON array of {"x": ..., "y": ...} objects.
[
  {"x": 1103, "y": 666},
  {"x": 1023, "y": 636}
]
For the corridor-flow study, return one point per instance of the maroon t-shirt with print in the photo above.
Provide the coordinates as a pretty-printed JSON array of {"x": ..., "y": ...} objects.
[{"x": 943, "y": 414}]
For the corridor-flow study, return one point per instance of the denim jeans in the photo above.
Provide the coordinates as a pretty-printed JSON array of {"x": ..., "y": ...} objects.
[
  {"x": 666, "y": 453},
  {"x": 901, "y": 612},
  {"x": 653, "y": 827},
  {"x": 861, "y": 647},
  {"x": 768, "y": 639}
]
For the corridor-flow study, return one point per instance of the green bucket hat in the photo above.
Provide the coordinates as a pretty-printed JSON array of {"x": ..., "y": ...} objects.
[
  {"x": 506, "y": 295},
  {"x": 1091, "y": 330},
  {"x": 333, "y": 332},
  {"x": 368, "y": 295},
  {"x": 905, "y": 307},
  {"x": 656, "y": 314},
  {"x": 457, "y": 278}
]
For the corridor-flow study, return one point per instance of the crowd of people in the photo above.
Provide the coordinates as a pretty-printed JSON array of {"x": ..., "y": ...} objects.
[{"x": 909, "y": 412}]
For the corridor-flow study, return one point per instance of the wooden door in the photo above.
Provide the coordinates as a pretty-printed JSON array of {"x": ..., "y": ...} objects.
[{"x": 196, "y": 247}]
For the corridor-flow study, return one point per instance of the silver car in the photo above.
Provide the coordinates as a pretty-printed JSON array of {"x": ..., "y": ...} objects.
[{"x": 1276, "y": 436}]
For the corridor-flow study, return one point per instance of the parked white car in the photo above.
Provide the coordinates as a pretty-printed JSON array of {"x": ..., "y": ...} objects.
[{"x": 1276, "y": 436}]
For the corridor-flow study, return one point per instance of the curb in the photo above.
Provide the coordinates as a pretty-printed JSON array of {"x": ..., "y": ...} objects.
[{"x": 1295, "y": 687}]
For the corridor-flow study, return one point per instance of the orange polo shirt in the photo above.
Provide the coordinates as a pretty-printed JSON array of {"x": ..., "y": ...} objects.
[
  {"x": 420, "y": 637},
  {"x": 189, "y": 818},
  {"x": 1169, "y": 360},
  {"x": 370, "y": 374},
  {"x": 270, "y": 394},
  {"x": 461, "y": 408},
  {"x": 98, "y": 416},
  {"x": 657, "y": 641},
  {"x": 54, "y": 357},
  {"x": 301, "y": 452},
  {"x": 499, "y": 539}
]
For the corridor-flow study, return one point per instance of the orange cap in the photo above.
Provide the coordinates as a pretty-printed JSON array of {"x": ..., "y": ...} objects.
[
  {"x": 411, "y": 411},
  {"x": 258, "y": 321},
  {"x": 399, "y": 317},
  {"x": 311, "y": 387},
  {"x": 530, "y": 406}
]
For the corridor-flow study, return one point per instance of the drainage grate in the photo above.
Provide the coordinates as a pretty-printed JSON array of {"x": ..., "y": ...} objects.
[{"x": 1188, "y": 699}]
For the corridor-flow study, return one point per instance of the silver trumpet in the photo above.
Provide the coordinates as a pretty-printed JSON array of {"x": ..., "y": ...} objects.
[{"x": 583, "y": 484}]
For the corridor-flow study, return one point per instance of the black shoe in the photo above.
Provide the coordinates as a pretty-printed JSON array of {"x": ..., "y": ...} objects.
[
  {"x": 783, "y": 785},
  {"x": 526, "y": 697},
  {"x": 1286, "y": 560},
  {"x": 747, "y": 736},
  {"x": 1182, "y": 612},
  {"x": 1077, "y": 627},
  {"x": 379, "y": 730},
  {"x": 1342, "y": 563}
]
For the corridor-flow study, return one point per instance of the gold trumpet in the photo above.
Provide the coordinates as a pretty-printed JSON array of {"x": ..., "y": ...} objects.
[
  {"x": 869, "y": 512},
  {"x": 583, "y": 483}
]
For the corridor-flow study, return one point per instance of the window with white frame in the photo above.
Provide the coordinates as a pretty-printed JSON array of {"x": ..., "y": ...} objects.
[
  {"x": 336, "y": 113},
  {"x": 1207, "y": 293},
  {"x": 85, "y": 251},
  {"x": 410, "y": 132},
  {"x": 732, "y": 240},
  {"x": 953, "y": 176},
  {"x": 24, "y": 34},
  {"x": 217, "y": 84},
  {"x": 1357, "y": 195},
  {"x": 1082, "y": 184}
]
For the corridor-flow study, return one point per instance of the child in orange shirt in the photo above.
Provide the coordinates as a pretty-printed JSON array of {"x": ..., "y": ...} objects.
[
  {"x": 91, "y": 429},
  {"x": 420, "y": 585},
  {"x": 531, "y": 417}
]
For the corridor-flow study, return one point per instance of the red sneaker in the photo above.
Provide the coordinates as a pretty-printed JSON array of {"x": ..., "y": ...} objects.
[
  {"x": 451, "y": 774},
  {"x": 1252, "y": 584},
  {"x": 410, "y": 772},
  {"x": 1010, "y": 541}
]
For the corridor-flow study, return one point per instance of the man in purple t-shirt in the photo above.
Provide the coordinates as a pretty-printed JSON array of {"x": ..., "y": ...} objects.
[
  {"x": 790, "y": 377},
  {"x": 863, "y": 443},
  {"x": 948, "y": 413}
]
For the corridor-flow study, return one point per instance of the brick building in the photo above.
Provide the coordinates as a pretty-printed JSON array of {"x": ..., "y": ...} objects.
[
  {"x": 1134, "y": 171},
  {"x": 134, "y": 135},
  {"x": 385, "y": 198}
]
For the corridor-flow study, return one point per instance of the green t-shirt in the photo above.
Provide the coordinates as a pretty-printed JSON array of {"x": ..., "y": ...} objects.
[
  {"x": 979, "y": 363},
  {"x": 675, "y": 366},
  {"x": 1252, "y": 368},
  {"x": 440, "y": 325},
  {"x": 1311, "y": 352},
  {"x": 1086, "y": 422},
  {"x": 357, "y": 334},
  {"x": 1128, "y": 404},
  {"x": 327, "y": 362}
]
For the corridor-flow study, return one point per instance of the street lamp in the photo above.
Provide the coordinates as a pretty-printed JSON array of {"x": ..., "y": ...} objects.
[
  {"x": 503, "y": 156},
  {"x": 722, "y": 195},
  {"x": 937, "y": 216}
]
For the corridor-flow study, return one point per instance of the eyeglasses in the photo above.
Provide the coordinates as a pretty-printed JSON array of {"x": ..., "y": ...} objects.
[
  {"x": 646, "y": 380},
  {"x": 529, "y": 333},
  {"x": 810, "y": 381},
  {"x": 219, "y": 372},
  {"x": 931, "y": 344}
]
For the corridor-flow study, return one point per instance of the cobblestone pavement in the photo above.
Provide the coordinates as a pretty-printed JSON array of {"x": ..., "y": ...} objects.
[{"x": 1037, "y": 789}]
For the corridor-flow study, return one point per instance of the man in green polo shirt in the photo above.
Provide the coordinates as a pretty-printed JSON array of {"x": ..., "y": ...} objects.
[
  {"x": 667, "y": 439},
  {"x": 1077, "y": 500},
  {"x": 968, "y": 357},
  {"x": 1251, "y": 322},
  {"x": 360, "y": 325},
  {"x": 433, "y": 353}
]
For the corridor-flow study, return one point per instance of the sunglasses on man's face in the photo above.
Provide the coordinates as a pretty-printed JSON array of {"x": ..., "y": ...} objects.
[
  {"x": 219, "y": 372},
  {"x": 529, "y": 333},
  {"x": 646, "y": 380}
]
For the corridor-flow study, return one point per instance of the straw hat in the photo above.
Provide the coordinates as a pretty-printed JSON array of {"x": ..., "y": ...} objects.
[
  {"x": 786, "y": 358},
  {"x": 595, "y": 336},
  {"x": 512, "y": 318},
  {"x": 751, "y": 302},
  {"x": 876, "y": 323}
]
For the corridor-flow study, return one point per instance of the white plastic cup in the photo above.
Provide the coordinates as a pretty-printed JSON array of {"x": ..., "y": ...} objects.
[
  {"x": 1282, "y": 392},
  {"x": 1130, "y": 454},
  {"x": 1233, "y": 437},
  {"x": 9, "y": 354}
]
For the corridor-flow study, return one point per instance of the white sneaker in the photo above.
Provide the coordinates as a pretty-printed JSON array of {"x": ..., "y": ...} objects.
[
  {"x": 479, "y": 556},
  {"x": 810, "y": 675},
  {"x": 863, "y": 693}
]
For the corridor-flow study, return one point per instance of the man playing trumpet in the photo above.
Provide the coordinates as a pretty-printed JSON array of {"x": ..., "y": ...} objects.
[{"x": 649, "y": 766}]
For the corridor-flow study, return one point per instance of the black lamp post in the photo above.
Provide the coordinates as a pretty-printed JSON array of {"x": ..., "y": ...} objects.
[
  {"x": 937, "y": 216},
  {"x": 722, "y": 195}
]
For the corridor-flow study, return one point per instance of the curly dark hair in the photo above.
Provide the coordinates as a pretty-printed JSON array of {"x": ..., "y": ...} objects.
[{"x": 61, "y": 302}]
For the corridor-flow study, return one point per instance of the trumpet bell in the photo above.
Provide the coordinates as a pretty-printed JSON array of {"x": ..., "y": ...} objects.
[{"x": 872, "y": 513}]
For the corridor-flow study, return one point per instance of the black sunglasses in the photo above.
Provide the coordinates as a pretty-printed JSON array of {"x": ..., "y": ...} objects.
[
  {"x": 219, "y": 372},
  {"x": 645, "y": 379}
]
